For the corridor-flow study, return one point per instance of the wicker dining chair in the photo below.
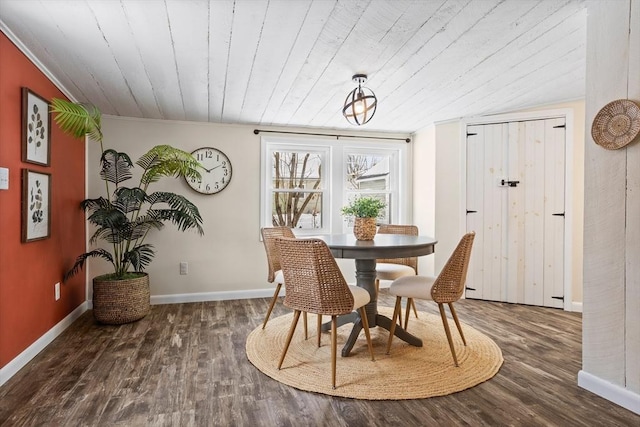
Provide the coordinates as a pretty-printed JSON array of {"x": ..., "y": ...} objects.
[
  {"x": 394, "y": 268},
  {"x": 447, "y": 288},
  {"x": 269, "y": 236},
  {"x": 315, "y": 284}
]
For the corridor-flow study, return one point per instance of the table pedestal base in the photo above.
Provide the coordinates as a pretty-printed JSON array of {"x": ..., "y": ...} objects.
[
  {"x": 385, "y": 323},
  {"x": 365, "y": 277},
  {"x": 380, "y": 320}
]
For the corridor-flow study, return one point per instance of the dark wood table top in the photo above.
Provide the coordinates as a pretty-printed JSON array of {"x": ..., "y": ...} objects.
[{"x": 382, "y": 246}]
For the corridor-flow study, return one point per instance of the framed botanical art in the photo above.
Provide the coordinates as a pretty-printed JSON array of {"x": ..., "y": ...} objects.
[
  {"x": 36, "y": 128},
  {"x": 36, "y": 205}
]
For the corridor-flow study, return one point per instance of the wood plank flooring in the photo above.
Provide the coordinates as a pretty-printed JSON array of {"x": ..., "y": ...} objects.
[{"x": 185, "y": 365}]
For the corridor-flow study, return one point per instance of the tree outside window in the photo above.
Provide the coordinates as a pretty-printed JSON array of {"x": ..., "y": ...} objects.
[{"x": 297, "y": 189}]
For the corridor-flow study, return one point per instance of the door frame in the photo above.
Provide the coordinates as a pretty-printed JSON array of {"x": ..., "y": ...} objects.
[{"x": 567, "y": 114}]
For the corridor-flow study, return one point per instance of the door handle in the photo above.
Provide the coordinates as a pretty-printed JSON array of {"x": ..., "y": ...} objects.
[{"x": 510, "y": 183}]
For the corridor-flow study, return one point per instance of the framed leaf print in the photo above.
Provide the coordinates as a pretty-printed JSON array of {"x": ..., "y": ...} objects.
[
  {"x": 36, "y": 205},
  {"x": 36, "y": 128}
]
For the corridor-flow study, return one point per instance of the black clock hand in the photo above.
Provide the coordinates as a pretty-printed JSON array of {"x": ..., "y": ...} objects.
[{"x": 209, "y": 170}]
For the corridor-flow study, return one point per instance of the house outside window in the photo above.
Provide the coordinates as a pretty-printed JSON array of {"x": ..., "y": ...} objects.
[
  {"x": 306, "y": 181},
  {"x": 368, "y": 174}
]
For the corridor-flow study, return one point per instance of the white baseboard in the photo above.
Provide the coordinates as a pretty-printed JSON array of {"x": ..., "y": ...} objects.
[
  {"x": 576, "y": 306},
  {"x": 207, "y": 296},
  {"x": 614, "y": 393},
  {"x": 212, "y": 296},
  {"x": 10, "y": 369}
]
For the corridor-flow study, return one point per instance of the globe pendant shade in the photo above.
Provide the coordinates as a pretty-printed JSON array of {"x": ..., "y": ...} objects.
[{"x": 360, "y": 106}]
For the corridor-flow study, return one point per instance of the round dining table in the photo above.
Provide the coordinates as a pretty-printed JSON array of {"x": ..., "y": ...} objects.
[{"x": 365, "y": 253}]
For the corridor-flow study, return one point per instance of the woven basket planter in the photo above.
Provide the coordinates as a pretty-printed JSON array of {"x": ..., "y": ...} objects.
[
  {"x": 364, "y": 228},
  {"x": 121, "y": 301}
]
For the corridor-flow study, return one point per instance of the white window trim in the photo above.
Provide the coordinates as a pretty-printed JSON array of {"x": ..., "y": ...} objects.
[{"x": 335, "y": 176}]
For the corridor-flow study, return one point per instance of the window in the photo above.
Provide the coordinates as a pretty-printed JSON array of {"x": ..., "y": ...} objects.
[
  {"x": 305, "y": 181},
  {"x": 368, "y": 173},
  {"x": 296, "y": 187}
]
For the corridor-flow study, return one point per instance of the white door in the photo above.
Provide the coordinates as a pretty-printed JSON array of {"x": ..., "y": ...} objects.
[{"x": 515, "y": 204}]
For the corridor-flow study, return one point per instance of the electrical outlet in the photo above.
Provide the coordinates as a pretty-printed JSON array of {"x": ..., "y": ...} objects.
[
  {"x": 184, "y": 268},
  {"x": 56, "y": 289}
]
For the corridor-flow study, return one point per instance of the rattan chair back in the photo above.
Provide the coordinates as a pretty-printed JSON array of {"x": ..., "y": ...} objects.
[
  {"x": 312, "y": 278},
  {"x": 409, "y": 230},
  {"x": 269, "y": 236},
  {"x": 449, "y": 285}
]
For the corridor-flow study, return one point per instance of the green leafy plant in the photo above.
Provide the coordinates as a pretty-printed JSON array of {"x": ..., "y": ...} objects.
[
  {"x": 364, "y": 207},
  {"x": 124, "y": 216}
]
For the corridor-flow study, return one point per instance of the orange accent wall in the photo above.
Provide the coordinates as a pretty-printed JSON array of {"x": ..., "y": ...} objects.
[{"x": 28, "y": 271}]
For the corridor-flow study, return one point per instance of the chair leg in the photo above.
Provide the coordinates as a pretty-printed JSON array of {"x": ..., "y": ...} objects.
[
  {"x": 415, "y": 310},
  {"x": 273, "y": 303},
  {"x": 365, "y": 325},
  {"x": 377, "y": 286},
  {"x": 334, "y": 346},
  {"x": 445, "y": 323},
  {"x": 304, "y": 320},
  {"x": 407, "y": 313},
  {"x": 396, "y": 314},
  {"x": 319, "y": 328},
  {"x": 292, "y": 329},
  {"x": 455, "y": 318}
]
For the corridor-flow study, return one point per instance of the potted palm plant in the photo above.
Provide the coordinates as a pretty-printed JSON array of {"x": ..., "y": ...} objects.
[
  {"x": 124, "y": 216},
  {"x": 365, "y": 210}
]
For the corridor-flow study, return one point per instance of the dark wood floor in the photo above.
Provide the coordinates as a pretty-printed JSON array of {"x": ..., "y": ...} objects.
[{"x": 185, "y": 364}]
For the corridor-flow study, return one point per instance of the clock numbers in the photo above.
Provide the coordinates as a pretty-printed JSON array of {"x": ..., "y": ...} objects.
[
  {"x": 216, "y": 171},
  {"x": 208, "y": 154}
]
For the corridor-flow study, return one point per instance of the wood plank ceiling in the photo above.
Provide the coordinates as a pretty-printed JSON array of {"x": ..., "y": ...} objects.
[{"x": 290, "y": 62}]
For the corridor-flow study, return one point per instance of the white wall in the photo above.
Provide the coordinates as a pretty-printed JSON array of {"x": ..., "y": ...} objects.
[
  {"x": 437, "y": 187},
  {"x": 230, "y": 256},
  {"x": 228, "y": 261},
  {"x": 450, "y": 208},
  {"x": 611, "y": 313},
  {"x": 424, "y": 196}
]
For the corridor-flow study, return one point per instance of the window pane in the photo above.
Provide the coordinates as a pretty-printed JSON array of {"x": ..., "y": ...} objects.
[
  {"x": 384, "y": 213},
  {"x": 367, "y": 172},
  {"x": 296, "y": 169},
  {"x": 302, "y": 210}
]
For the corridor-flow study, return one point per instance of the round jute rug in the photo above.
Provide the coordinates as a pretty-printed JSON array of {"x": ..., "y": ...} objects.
[{"x": 408, "y": 372}]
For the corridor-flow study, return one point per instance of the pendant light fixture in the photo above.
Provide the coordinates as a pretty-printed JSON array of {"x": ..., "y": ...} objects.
[{"x": 361, "y": 103}]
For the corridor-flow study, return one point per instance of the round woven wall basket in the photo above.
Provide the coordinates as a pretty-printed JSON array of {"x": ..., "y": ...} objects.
[
  {"x": 616, "y": 124},
  {"x": 364, "y": 228},
  {"x": 121, "y": 301}
]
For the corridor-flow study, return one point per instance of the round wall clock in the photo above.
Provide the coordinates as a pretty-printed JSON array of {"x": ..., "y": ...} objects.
[{"x": 216, "y": 174}]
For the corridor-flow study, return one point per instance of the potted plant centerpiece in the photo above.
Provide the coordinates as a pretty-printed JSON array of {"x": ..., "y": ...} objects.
[
  {"x": 125, "y": 216},
  {"x": 365, "y": 210}
]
